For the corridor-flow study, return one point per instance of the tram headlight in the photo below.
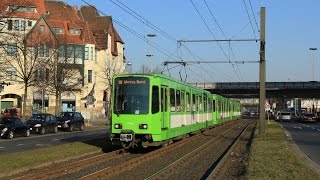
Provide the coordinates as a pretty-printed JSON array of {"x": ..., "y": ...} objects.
[
  {"x": 118, "y": 126},
  {"x": 143, "y": 126}
]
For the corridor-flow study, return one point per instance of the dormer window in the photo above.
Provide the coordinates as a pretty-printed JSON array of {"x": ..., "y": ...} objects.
[
  {"x": 27, "y": 9},
  {"x": 42, "y": 28},
  {"x": 58, "y": 30},
  {"x": 75, "y": 31}
]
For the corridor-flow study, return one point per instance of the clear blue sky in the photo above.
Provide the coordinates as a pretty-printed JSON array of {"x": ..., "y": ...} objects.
[{"x": 292, "y": 27}]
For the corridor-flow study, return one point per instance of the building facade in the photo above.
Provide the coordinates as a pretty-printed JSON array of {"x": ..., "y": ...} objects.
[{"x": 64, "y": 55}]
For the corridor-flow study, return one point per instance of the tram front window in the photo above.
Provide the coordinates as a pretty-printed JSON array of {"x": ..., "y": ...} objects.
[{"x": 131, "y": 95}]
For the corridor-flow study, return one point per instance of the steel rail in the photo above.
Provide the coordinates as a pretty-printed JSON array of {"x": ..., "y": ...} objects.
[
  {"x": 212, "y": 141},
  {"x": 215, "y": 168}
]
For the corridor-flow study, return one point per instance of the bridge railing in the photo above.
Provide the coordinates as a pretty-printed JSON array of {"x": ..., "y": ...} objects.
[{"x": 255, "y": 85}]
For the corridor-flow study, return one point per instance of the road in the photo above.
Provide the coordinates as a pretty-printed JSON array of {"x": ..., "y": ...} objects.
[
  {"x": 307, "y": 137},
  {"x": 35, "y": 141}
]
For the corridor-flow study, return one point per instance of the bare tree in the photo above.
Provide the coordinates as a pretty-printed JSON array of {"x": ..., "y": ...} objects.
[
  {"x": 4, "y": 16},
  {"x": 63, "y": 73},
  {"x": 109, "y": 68},
  {"x": 147, "y": 70},
  {"x": 22, "y": 57}
]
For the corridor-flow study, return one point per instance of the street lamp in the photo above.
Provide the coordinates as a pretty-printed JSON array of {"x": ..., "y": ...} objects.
[
  {"x": 313, "y": 60},
  {"x": 129, "y": 64},
  {"x": 149, "y": 55}
]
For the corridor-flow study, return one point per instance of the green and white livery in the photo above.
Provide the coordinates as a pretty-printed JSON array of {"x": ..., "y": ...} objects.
[{"x": 154, "y": 109}]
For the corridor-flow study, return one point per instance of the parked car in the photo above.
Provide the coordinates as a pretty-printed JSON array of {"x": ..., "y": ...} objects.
[
  {"x": 11, "y": 112},
  {"x": 309, "y": 117},
  {"x": 285, "y": 116},
  {"x": 12, "y": 126},
  {"x": 43, "y": 123},
  {"x": 70, "y": 120},
  {"x": 318, "y": 115}
]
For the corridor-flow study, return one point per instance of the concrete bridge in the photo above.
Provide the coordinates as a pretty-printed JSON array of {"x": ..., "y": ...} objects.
[{"x": 309, "y": 89}]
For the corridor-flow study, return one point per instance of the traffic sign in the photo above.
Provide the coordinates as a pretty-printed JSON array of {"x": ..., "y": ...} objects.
[{"x": 267, "y": 106}]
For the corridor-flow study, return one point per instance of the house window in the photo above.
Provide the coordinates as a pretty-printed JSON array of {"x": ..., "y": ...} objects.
[
  {"x": 74, "y": 31},
  {"x": 41, "y": 28},
  {"x": 43, "y": 51},
  {"x": 78, "y": 52},
  {"x": 29, "y": 23},
  {"x": 12, "y": 50},
  {"x": 23, "y": 25},
  {"x": 91, "y": 53},
  {"x": 61, "y": 51},
  {"x": 58, "y": 30},
  {"x": 95, "y": 56},
  {"x": 86, "y": 53},
  {"x": 9, "y": 25},
  {"x": 46, "y": 51},
  {"x": 27, "y": 9},
  {"x": 11, "y": 74},
  {"x": 70, "y": 52},
  {"x": 16, "y": 25},
  {"x": 89, "y": 76}
]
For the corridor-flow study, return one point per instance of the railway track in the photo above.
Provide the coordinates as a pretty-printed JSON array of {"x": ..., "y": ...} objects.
[
  {"x": 171, "y": 170},
  {"x": 122, "y": 164},
  {"x": 67, "y": 168},
  {"x": 119, "y": 170}
]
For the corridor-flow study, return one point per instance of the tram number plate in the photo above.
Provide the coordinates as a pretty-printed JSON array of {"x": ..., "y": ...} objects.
[{"x": 126, "y": 137}]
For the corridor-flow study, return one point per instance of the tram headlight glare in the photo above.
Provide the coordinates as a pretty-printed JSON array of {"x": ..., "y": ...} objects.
[{"x": 118, "y": 126}]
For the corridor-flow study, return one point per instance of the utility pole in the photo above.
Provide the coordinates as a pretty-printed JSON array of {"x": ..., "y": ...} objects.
[{"x": 262, "y": 74}]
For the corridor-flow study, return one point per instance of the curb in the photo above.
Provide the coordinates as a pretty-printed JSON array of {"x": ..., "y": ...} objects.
[{"x": 301, "y": 155}]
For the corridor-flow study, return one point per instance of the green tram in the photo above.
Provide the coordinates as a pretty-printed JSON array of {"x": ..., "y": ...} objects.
[{"x": 154, "y": 109}]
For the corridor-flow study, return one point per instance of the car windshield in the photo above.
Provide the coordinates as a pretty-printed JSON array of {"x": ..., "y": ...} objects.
[
  {"x": 6, "y": 121},
  {"x": 309, "y": 115},
  {"x": 37, "y": 117},
  {"x": 285, "y": 113},
  {"x": 65, "y": 114}
]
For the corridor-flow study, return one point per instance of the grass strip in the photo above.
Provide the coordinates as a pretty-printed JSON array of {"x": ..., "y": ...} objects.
[
  {"x": 22, "y": 161},
  {"x": 272, "y": 157}
]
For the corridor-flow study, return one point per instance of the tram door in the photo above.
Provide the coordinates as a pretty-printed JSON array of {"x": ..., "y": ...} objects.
[{"x": 165, "y": 117}]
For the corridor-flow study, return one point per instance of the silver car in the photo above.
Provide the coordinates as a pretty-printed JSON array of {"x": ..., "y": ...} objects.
[{"x": 285, "y": 116}]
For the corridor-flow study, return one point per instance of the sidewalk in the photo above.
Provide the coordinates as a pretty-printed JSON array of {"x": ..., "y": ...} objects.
[{"x": 99, "y": 122}]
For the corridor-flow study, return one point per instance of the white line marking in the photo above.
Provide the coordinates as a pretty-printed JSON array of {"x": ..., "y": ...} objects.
[
  {"x": 20, "y": 144},
  {"x": 58, "y": 139},
  {"x": 2, "y": 147}
]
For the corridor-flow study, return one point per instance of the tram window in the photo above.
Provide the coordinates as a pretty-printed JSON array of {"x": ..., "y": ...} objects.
[
  {"x": 194, "y": 106},
  {"x": 162, "y": 99},
  {"x": 214, "y": 105},
  {"x": 155, "y": 99},
  {"x": 196, "y": 103},
  {"x": 188, "y": 102},
  {"x": 200, "y": 104},
  {"x": 182, "y": 101},
  {"x": 209, "y": 105},
  {"x": 218, "y": 106},
  {"x": 172, "y": 100},
  {"x": 205, "y": 104},
  {"x": 178, "y": 101}
]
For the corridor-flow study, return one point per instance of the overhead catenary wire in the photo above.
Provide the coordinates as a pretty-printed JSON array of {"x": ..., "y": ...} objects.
[
  {"x": 154, "y": 27},
  {"x": 254, "y": 16},
  {"x": 207, "y": 26},
  {"x": 138, "y": 35},
  {"x": 149, "y": 24},
  {"x": 245, "y": 5}
]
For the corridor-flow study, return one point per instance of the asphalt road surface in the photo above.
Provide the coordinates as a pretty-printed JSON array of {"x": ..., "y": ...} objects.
[
  {"x": 19, "y": 144},
  {"x": 307, "y": 137}
]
